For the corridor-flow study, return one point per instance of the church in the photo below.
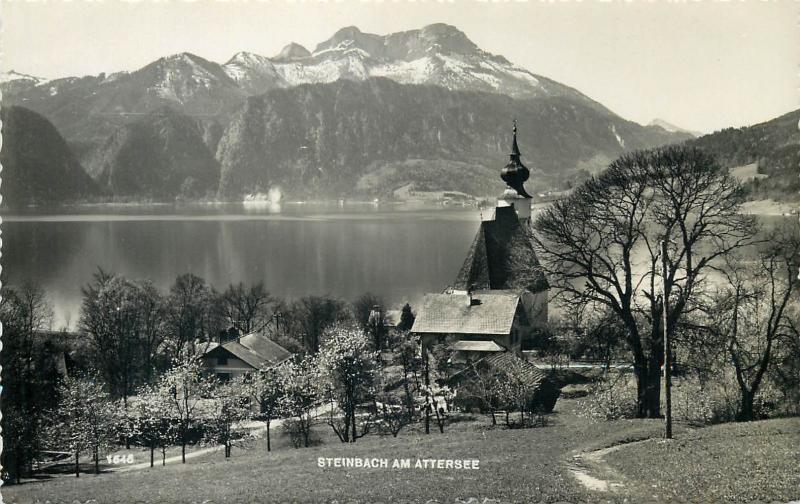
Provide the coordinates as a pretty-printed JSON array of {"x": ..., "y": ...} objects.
[{"x": 499, "y": 297}]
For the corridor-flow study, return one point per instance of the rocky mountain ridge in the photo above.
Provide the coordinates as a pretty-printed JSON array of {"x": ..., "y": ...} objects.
[{"x": 358, "y": 103}]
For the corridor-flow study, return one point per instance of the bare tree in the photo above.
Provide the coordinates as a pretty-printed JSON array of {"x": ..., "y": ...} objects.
[
  {"x": 29, "y": 386},
  {"x": 752, "y": 313},
  {"x": 152, "y": 315},
  {"x": 192, "y": 317},
  {"x": 110, "y": 316},
  {"x": 600, "y": 246},
  {"x": 309, "y": 317},
  {"x": 247, "y": 309}
]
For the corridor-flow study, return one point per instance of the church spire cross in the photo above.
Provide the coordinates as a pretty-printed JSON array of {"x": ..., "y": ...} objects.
[{"x": 514, "y": 147}]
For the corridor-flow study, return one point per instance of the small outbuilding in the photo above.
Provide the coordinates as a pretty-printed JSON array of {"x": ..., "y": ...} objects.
[
  {"x": 539, "y": 385},
  {"x": 245, "y": 354}
]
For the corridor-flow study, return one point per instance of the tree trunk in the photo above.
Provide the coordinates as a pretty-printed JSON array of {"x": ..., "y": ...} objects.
[
  {"x": 746, "y": 410},
  {"x": 163, "y": 456},
  {"x": 439, "y": 419},
  {"x": 353, "y": 420},
  {"x": 183, "y": 450},
  {"x": 649, "y": 389},
  {"x": 494, "y": 419},
  {"x": 269, "y": 446},
  {"x": 96, "y": 461},
  {"x": 427, "y": 394},
  {"x": 409, "y": 400},
  {"x": 152, "y": 452},
  {"x": 77, "y": 464},
  {"x": 18, "y": 467}
]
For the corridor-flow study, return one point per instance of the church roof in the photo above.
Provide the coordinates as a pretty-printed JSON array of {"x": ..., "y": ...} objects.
[
  {"x": 492, "y": 313},
  {"x": 502, "y": 257}
]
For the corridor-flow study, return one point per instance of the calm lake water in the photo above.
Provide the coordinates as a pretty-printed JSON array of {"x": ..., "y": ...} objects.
[
  {"x": 398, "y": 253},
  {"x": 345, "y": 250}
]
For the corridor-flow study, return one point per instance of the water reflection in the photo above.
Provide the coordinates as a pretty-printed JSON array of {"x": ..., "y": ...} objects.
[{"x": 396, "y": 254}]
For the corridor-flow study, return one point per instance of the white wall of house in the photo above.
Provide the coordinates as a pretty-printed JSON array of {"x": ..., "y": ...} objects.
[{"x": 233, "y": 368}]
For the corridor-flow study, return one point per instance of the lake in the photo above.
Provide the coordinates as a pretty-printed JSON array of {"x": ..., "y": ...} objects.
[
  {"x": 344, "y": 250},
  {"x": 341, "y": 250}
]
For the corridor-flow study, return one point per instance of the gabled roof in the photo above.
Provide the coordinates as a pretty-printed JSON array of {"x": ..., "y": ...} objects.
[
  {"x": 493, "y": 313},
  {"x": 256, "y": 350},
  {"x": 506, "y": 362},
  {"x": 477, "y": 346},
  {"x": 509, "y": 361},
  {"x": 502, "y": 257}
]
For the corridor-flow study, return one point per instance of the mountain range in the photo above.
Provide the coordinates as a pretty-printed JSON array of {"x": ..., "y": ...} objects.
[{"x": 360, "y": 114}]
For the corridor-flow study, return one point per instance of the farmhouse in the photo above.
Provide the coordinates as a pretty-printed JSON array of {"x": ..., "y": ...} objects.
[
  {"x": 500, "y": 294},
  {"x": 474, "y": 323},
  {"x": 242, "y": 355}
]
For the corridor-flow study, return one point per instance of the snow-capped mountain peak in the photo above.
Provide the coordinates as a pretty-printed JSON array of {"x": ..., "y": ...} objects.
[
  {"x": 292, "y": 51},
  {"x": 437, "y": 54},
  {"x": 661, "y": 123}
]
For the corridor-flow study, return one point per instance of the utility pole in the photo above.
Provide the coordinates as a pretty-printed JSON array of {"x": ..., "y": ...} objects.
[{"x": 667, "y": 345}]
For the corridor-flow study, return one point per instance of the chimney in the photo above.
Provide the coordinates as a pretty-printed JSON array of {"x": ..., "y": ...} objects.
[{"x": 472, "y": 299}]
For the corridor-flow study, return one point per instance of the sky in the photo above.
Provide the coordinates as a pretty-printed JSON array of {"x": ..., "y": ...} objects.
[{"x": 701, "y": 65}]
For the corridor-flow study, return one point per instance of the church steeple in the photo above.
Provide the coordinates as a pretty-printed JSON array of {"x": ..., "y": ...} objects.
[
  {"x": 514, "y": 147},
  {"x": 514, "y": 174}
]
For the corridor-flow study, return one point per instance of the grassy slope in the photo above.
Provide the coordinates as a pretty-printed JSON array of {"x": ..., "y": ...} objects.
[
  {"x": 730, "y": 462},
  {"x": 516, "y": 466}
]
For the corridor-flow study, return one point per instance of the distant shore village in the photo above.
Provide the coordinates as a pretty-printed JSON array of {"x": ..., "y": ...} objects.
[{"x": 490, "y": 313}]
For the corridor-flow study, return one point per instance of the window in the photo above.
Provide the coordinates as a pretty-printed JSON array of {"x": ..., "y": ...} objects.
[
  {"x": 222, "y": 360},
  {"x": 223, "y": 377}
]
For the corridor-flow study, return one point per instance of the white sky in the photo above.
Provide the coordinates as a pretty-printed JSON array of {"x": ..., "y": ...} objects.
[{"x": 701, "y": 65}]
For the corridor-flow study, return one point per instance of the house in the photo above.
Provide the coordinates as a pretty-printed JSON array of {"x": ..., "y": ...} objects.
[
  {"x": 243, "y": 355},
  {"x": 474, "y": 323},
  {"x": 500, "y": 295}
]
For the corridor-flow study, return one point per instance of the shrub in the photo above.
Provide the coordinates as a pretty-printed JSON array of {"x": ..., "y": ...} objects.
[
  {"x": 611, "y": 398},
  {"x": 294, "y": 430}
]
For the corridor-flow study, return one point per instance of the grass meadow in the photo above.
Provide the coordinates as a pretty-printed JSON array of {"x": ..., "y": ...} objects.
[{"x": 734, "y": 462}]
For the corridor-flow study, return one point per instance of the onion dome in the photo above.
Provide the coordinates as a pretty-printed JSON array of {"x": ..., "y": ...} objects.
[{"x": 514, "y": 174}]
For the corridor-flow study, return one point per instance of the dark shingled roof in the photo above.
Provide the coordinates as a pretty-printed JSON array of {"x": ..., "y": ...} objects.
[
  {"x": 502, "y": 257},
  {"x": 256, "y": 350},
  {"x": 506, "y": 361}
]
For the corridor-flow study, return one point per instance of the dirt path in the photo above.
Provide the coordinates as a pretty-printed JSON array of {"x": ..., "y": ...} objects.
[
  {"x": 593, "y": 473},
  {"x": 177, "y": 459}
]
